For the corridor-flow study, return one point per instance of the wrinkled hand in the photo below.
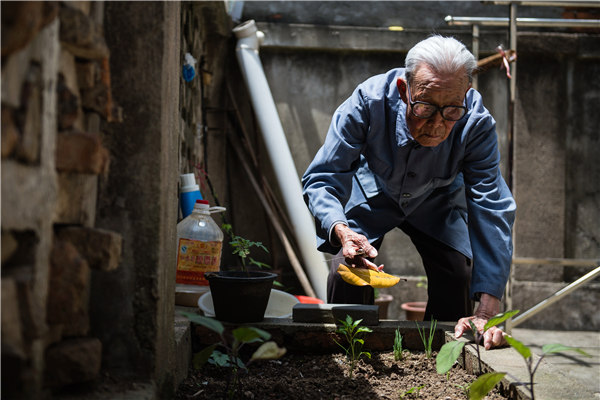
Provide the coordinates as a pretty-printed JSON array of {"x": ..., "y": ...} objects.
[
  {"x": 355, "y": 247},
  {"x": 489, "y": 306},
  {"x": 493, "y": 337}
]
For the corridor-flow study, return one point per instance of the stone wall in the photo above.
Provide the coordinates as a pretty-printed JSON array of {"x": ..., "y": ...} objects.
[
  {"x": 55, "y": 93},
  {"x": 92, "y": 134},
  {"x": 97, "y": 126}
]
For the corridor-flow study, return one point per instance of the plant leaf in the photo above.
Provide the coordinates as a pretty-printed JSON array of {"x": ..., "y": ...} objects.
[
  {"x": 448, "y": 355},
  {"x": 221, "y": 359},
  {"x": 268, "y": 351},
  {"x": 559, "y": 348},
  {"x": 499, "y": 318},
  {"x": 250, "y": 334},
  {"x": 207, "y": 322},
  {"x": 482, "y": 385},
  {"x": 367, "y": 277},
  {"x": 200, "y": 358},
  {"x": 518, "y": 346}
]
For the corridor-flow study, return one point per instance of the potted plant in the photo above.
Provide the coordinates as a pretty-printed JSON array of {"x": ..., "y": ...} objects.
[
  {"x": 415, "y": 310},
  {"x": 383, "y": 300},
  {"x": 241, "y": 295}
]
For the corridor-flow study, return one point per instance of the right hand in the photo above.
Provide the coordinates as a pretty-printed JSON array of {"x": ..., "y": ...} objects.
[{"x": 354, "y": 247}]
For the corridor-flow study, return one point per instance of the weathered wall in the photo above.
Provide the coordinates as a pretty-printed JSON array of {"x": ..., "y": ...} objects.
[
  {"x": 97, "y": 126},
  {"x": 90, "y": 122},
  {"x": 312, "y": 68},
  {"x": 134, "y": 308},
  {"x": 55, "y": 93}
]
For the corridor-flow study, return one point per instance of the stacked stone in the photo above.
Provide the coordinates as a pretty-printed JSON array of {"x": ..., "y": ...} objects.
[{"x": 55, "y": 96}]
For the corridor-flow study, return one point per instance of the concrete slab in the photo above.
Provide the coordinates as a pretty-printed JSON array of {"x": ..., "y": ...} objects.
[
  {"x": 559, "y": 376},
  {"x": 565, "y": 375}
]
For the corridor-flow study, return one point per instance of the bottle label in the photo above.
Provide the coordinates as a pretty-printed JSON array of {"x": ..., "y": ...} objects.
[{"x": 194, "y": 258}]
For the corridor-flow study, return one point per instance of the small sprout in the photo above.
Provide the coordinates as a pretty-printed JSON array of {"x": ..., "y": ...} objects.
[
  {"x": 414, "y": 389},
  {"x": 354, "y": 336},
  {"x": 397, "y": 345},
  {"x": 427, "y": 342},
  {"x": 230, "y": 356},
  {"x": 242, "y": 248}
]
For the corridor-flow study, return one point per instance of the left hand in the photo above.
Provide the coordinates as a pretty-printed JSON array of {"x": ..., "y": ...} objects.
[{"x": 489, "y": 306}]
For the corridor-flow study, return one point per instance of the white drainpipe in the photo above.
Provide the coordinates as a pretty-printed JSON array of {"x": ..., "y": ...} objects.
[{"x": 249, "y": 39}]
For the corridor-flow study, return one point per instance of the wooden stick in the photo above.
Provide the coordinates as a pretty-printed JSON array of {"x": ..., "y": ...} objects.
[{"x": 280, "y": 232}]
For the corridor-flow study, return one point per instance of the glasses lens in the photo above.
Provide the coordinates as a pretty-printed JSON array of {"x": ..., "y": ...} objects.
[
  {"x": 453, "y": 113},
  {"x": 423, "y": 110}
]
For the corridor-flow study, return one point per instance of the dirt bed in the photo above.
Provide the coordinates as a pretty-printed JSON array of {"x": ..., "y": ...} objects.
[{"x": 312, "y": 377}]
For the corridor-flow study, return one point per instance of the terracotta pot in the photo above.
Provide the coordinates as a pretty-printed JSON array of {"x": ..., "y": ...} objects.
[
  {"x": 240, "y": 296},
  {"x": 383, "y": 301},
  {"x": 415, "y": 310}
]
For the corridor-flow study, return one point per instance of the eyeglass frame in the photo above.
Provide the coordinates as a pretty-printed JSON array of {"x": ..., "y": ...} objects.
[{"x": 437, "y": 108}]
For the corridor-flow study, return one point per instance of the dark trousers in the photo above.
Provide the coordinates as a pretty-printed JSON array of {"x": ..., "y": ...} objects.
[{"x": 448, "y": 279}]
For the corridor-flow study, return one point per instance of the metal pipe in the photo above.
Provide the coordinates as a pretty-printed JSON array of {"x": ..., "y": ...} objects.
[
  {"x": 511, "y": 136},
  {"x": 555, "y": 297},
  {"x": 475, "y": 29},
  {"x": 249, "y": 40},
  {"x": 573, "y": 262},
  {"x": 570, "y": 4},
  {"x": 523, "y": 22}
]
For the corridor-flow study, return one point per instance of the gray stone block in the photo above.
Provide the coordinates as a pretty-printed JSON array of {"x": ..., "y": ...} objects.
[{"x": 332, "y": 313}]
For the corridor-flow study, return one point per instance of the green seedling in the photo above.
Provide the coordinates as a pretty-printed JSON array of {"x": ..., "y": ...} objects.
[
  {"x": 242, "y": 248},
  {"x": 397, "y": 345},
  {"x": 450, "y": 351},
  {"x": 414, "y": 389},
  {"x": 547, "y": 349},
  {"x": 427, "y": 342},
  {"x": 226, "y": 352},
  {"x": 353, "y": 333},
  {"x": 465, "y": 388}
]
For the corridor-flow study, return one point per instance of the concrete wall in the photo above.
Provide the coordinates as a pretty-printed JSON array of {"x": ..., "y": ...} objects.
[
  {"x": 134, "y": 308},
  {"x": 312, "y": 68}
]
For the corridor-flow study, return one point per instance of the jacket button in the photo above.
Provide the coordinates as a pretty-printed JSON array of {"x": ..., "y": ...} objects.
[
  {"x": 406, "y": 195},
  {"x": 411, "y": 174},
  {"x": 405, "y": 204}
]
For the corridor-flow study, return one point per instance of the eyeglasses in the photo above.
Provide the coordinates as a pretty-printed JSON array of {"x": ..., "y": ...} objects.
[{"x": 423, "y": 110}]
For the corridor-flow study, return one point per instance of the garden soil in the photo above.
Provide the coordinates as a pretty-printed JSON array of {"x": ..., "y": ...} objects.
[{"x": 326, "y": 376}]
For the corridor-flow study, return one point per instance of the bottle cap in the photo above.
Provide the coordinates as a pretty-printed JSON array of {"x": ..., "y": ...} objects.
[
  {"x": 188, "y": 183},
  {"x": 202, "y": 204}
]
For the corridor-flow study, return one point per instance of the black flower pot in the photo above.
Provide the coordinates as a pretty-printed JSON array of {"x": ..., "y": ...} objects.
[{"x": 240, "y": 296}]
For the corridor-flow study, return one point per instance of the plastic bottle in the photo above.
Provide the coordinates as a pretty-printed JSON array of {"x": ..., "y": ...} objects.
[
  {"x": 200, "y": 242},
  {"x": 189, "y": 193}
]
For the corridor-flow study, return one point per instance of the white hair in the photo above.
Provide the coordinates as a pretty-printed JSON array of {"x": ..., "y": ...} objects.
[{"x": 442, "y": 54}]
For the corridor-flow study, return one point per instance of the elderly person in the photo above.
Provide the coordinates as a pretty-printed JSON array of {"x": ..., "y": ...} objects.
[{"x": 415, "y": 148}]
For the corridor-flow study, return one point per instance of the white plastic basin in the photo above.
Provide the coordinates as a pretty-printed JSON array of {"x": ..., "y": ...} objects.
[{"x": 279, "y": 306}]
